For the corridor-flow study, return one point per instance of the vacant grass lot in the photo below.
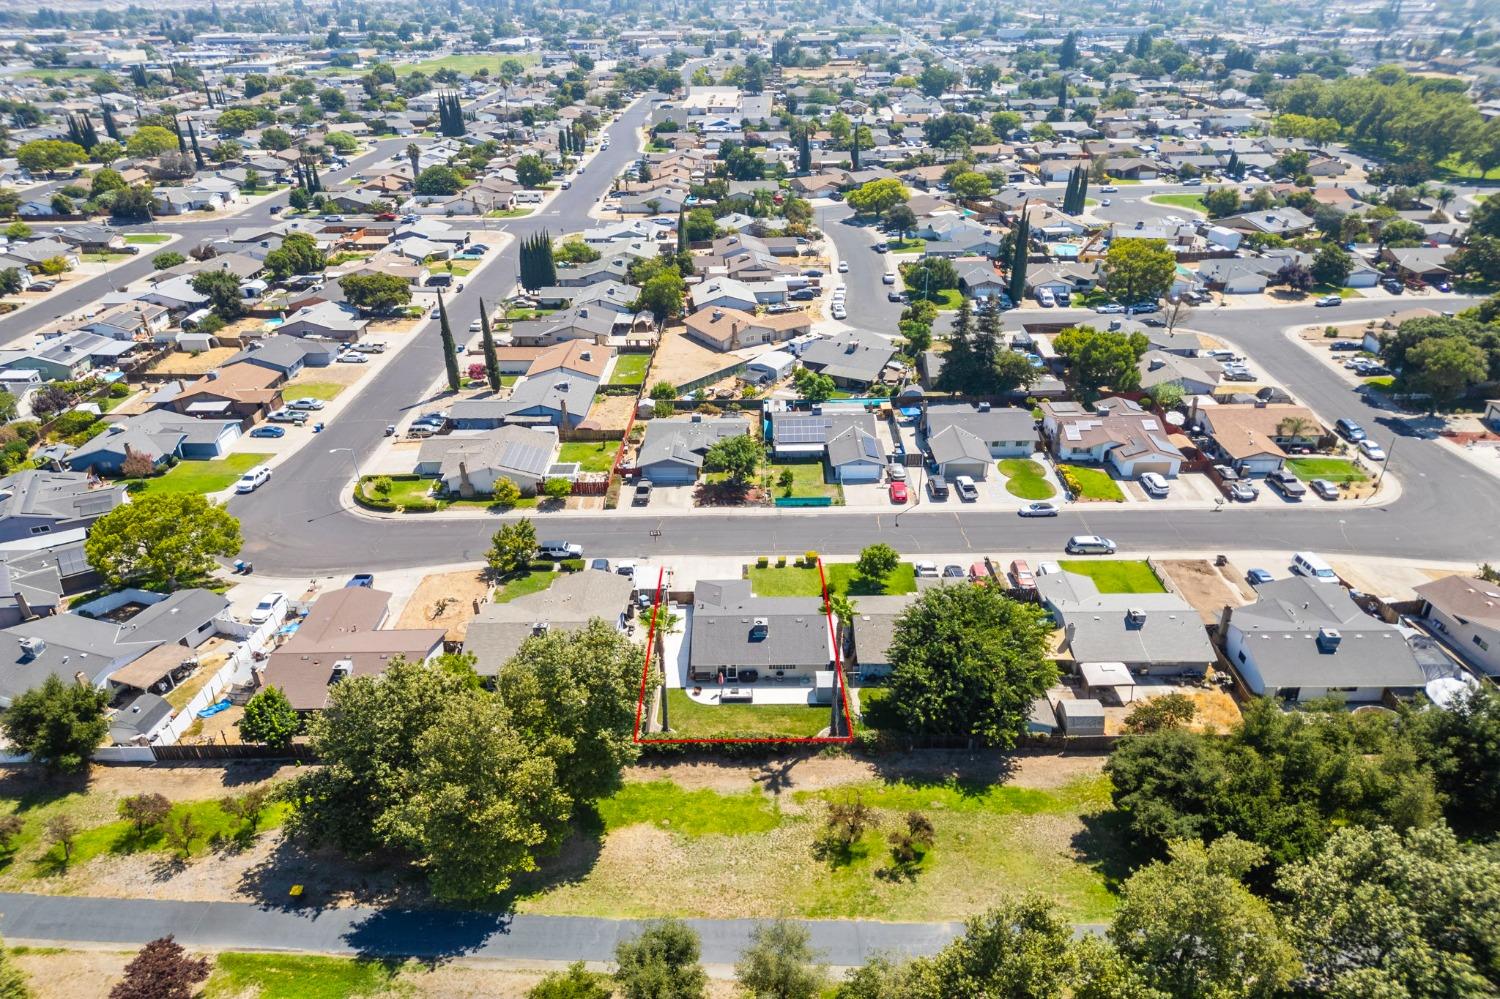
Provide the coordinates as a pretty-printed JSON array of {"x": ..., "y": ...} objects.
[
  {"x": 1332, "y": 469},
  {"x": 1117, "y": 575},
  {"x": 296, "y": 976},
  {"x": 668, "y": 851},
  {"x": 1091, "y": 484},
  {"x": 1026, "y": 478},
  {"x": 691, "y": 720},
  {"x": 843, "y": 578},
  {"x": 591, "y": 456},
  {"x": 204, "y": 476},
  {"x": 630, "y": 369},
  {"x": 467, "y": 64}
]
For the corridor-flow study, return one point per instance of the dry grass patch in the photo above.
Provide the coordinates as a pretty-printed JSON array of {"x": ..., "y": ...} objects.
[{"x": 445, "y": 600}]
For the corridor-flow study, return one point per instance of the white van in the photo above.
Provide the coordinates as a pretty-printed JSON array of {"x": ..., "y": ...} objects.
[{"x": 1311, "y": 564}]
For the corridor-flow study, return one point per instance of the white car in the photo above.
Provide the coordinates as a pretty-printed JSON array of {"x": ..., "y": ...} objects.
[
  {"x": 1104, "y": 202},
  {"x": 269, "y": 606},
  {"x": 253, "y": 479},
  {"x": 889, "y": 278},
  {"x": 843, "y": 267},
  {"x": 1155, "y": 484},
  {"x": 476, "y": 327},
  {"x": 1372, "y": 450},
  {"x": 353, "y": 357},
  {"x": 308, "y": 403},
  {"x": 926, "y": 569},
  {"x": 838, "y": 311}
]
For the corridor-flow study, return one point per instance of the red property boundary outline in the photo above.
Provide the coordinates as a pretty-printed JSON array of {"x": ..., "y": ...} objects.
[{"x": 810, "y": 740}]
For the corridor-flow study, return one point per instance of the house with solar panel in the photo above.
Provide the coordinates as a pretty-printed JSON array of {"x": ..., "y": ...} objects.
[
  {"x": 842, "y": 437},
  {"x": 1116, "y": 434},
  {"x": 470, "y": 466}
]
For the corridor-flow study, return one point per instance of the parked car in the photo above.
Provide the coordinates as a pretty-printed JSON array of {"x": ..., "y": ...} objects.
[
  {"x": 1327, "y": 490},
  {"x": 642, "y": 495},
  {"x": 951, "y": 571},
  {"x": 1255, "y": 577},
  {"x": 925, "y": 569},
  {"x": 268, "y": 431},
  {"x": 1242, "y": 491},
  {"x": 843, "y": 267},
  {"x": 1090, "y": 544},
  {"x": 838, "y": 311},
  {"x": 253, "y": 479},
  {"x": 967, "y": 491},
  {"x": 937, "y": 487},
  {"x": 271, "y": 606},
  {"x": 1155, "y": 484},
  {"x": 882, "y": 246},
  {"x": 1287, "y": 484},
  {"x": 307, "y": 403},
  {"x": 599, "y": 564},
  {"x": 1391, "y": 285},
  {"x": 1110, "y": 308},
  {"x": 353, "y": 357},
  {"x": 888, "y": 278},
  {"x": 895, "y": 296},
  {"x": 1372, "y": 450},
  {"x": 284, "y": 415},
  {"x": 559, "y": 550},
  {"x": 896, "y": 472},
  {"x": 364, "y": 579},
  {"x": 803, "y": 295},
  {"x": 1021, "y": 576},
  {"x": 1328, "y": 301},
  {"x": 1350, "y": 430},
  {"x": 898, "y": 492},
  {"x": 1346, "y": 345},
  {"x": 1039, "y": 509}
]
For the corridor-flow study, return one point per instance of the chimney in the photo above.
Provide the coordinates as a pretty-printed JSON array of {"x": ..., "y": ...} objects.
[{"x": 1328, "y": 640}]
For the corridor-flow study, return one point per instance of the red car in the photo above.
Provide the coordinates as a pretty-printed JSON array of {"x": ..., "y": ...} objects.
[
  {"x": 898, "y": 492},
  {"x": 385, "y": 217}
]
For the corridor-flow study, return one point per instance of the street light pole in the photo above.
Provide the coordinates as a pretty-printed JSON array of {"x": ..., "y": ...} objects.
[{"x": 353, "y": 467}]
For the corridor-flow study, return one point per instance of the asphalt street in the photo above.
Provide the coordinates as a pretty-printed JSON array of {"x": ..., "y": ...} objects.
[{"x": 425, "y": 934}]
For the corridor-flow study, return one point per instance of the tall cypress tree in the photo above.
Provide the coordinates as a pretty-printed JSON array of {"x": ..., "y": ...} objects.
[
  {"x": 958, "y": 362},
  {"x": 177, "y": 129},
  {"x": 110, "y": 128},
  {"x": 854, "y": 148},
  {"x": 546, "y": 264},
  {"x": 1083, "y": 188},
  {"x": 1018, "y": 263},
  {"x": 487, "y": 339},
  {"x": 450, "y": 348},
  {"x": 682, "y": 237},
  {"x": 986, "y": 346},
  {"x": 193, "y": 139},
  {"x": 804, "y": 148}
]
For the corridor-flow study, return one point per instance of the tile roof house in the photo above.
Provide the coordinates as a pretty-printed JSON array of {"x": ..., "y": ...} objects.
[
  {"x": 571, "y": 602},
  {"x": 1465, "y": 611},
  {"x": 342, "y": 637},
  {"x": 733, "y": 629},
  {"x": 1117, "y": 434},
  {"x": 1304, "y": 639},
  {"x": 1254, "y": 437},
  {"x": 1154, "y": 634}
]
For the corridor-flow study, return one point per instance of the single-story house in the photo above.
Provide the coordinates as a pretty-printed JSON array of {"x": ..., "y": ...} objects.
[
  {"x": 472, "y": 465},
  {"x": 672, "y": 451},
  {"x": 159, "y": 435},
  {"x": 1465, "y": 611},
  {"x": 1152, "y": 634},
  {"x": 496, "y": 633},
  {"x": 1117, "y": 434},
  {"x": 732, "y": 629}
]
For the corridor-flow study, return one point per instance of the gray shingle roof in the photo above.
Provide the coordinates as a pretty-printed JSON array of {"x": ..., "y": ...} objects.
[{"x": 724, "y": 632}]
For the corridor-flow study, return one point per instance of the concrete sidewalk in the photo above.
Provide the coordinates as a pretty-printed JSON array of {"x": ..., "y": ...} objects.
[{"x": 55, "y": 920}]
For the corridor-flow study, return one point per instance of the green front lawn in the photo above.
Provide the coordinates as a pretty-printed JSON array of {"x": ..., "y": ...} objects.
[
  {"x": 591, "y": 456},
  {"x": 691, "y": 720},
  {"x": 946, "y": 299},
  {"x": 523, "y": 583},
  {"x": 1091, "y": 484},
  {"x": 912, "y": 244},
  {"x": 807, "y": 480},
  {"x": 146, "y": 238},
  {"x": 630, "y": 369},
  {"x": 1381, "y": 383},
  {"x": 1192, "y": 202},
  {"x": 1026, "y": 478},
  {"x": 509, "y": 213},
  {"x": 843, "y": 578},
  {"x": 1332, "y": 469},
  {"x": 204, "y": 476},
  {"x": 312, "y": 390},
  {"x": 1116, "y": 575}
]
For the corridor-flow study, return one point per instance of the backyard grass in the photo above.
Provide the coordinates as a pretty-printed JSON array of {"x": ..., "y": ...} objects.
[
  {"x": 312, "y": 390},
  {"x": 1091, "y": 484},
  {"x": 668, "y": 851},
  {"x": 1026, "y": 478},
  {"x": 1192, "y": 202},
  {"x": 204, "y": 476},
  {"x": 460, "y": 268},
  {"x": 807, "y": 480},
  {"x": 591, "y": 456},
  {"x": 843, "y": 578},
  {"x": 1332, "y": 469},
  {"x": 523, "y": 583},
  {"x": 630, "y": 369},
  {"x": 297, "y": 976},
  {"x": 691, "y": 720},
  {"x": 1117, "y": 575},
  {"x": 146, "y": 238}
]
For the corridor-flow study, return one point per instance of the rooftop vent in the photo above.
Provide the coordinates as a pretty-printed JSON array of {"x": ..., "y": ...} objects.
[
  {"x": 1329, "y": 639},
  {"x": 33, "y": 647},
  {"x": 984, "y": 407},
  {"x": 759, "y": 629},
  {"x": 1136, "y": 616}
]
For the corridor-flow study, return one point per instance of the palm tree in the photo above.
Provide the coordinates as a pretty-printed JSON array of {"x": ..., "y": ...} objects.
[
  {"x": 414, "y": 156},
  {"x": 1444, "y": 196},
  {"x": 1293, "y": 427}
]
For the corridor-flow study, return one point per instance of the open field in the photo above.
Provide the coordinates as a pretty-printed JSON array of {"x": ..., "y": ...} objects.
[
  {"x": 468, "y": 64},
  {"x": 1117, "y": 575},
  {"x": 205, "y": 476}
]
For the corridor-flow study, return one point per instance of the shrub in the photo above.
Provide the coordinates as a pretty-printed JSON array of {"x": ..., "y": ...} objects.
[
  {"x": 540, "y": 565},
  {"x": 571, "y": 565},
  {"x": 382, "y": 485},
  {"x": 119, "y": 390},
  {"x": 421, "y": 504},
  {"x": 762, "y": 562},
  {"x": 810, "y": 559}
]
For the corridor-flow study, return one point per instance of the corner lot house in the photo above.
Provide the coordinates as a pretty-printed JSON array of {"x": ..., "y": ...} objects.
[
  {"x": 1151, "y": 634},
  {"x": 159, "y": 435},
  {"x": 733, "y": 630},
  {"x": 1303, "y": 640},
  {"x": 572, "y": 601},
  {"x": 1118, "y": 434},
  {"x": 1466, "y": 612},
  {"x": 471, "y": 466}
]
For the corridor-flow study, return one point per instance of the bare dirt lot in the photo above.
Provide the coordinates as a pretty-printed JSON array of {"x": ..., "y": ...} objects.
[
  {"x": 1207, "y": 587},
  {"x": 445, "y": 600},
  {"x": 185, "y": 363}
]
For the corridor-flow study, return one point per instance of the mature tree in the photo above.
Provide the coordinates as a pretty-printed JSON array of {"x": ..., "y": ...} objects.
[
  {"x": 812, "y": 385},
  {"x": 161, "y": 541},
  {"x": 270, "y": 719},
  {"x": 1017, "y": 950},
  {"x": 1382, "y": 913},
  {"x": 1461, "y": 742},
  {"x": 878, "y": 561},
  {"x": 1192, "y": 928},
  {"x": 901, "y": 219},
  {"x": 375, "y": 292},
  {"x": 1221, "y": 201},
  {"x": 576, "y": 693},
  {"x": 1331, "y": 265},
  {"x": 878, "y": 196},
  {"x": 700, "y": 225},
  {"x": 106, "y": 151},
  {"x": 1445, "y": 368},
  {"x": 661, "y": 295},
  {"x": 222, "y": 288},
  {"x": 167, "y": 258},
  {"x": 1156, "y": 714},
  {"x": 1139, "y": 270},
  {"x": 513, "y": 547},
  {"x": 532, "y": 171},
  {"x": 49, "y": 155},
  {"x": 438, "y": 180},
  {"x": 1293, "y": 276},
  {"x": 970, "y": 185},
  {"x": 577, "y": 982},
  {"x": 150, "y": 141},
  {"x": 780, "y": 963},
  {"x": 968, "y": 660},
  {"x": 11, "y": 281},
  {"x": 162, "y": 970},
  {"x": 450, "y": 346},
  {"x": 660, "y": 963},
  {"x": 297, "y": 254},
  {"x": 930, "y": 275},
  {"x": 59, "y": 723},
  {"x": 1100, "y": 358},
  {"x": 487, "y": 343},
  {"x": 740, "y": 456},
  {"x": 144, "y": 810}
]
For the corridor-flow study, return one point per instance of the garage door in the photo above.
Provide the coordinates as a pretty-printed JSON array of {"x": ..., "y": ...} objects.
[
  {"x": 1159, "y": 467},
  {"x": 670, "y": 475}
]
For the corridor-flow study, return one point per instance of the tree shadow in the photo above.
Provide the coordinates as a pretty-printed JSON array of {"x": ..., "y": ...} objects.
[
  {"x": 969, "y": 773},
  {"x": 1105, "y": 845},
  {"x": 726, "y": 493},
  {"x": 34, "y": 787},
  {"x": 427, "y": 935},
  {"x": 574, "y": 861},
  {"x": 327, "y": 877}
]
